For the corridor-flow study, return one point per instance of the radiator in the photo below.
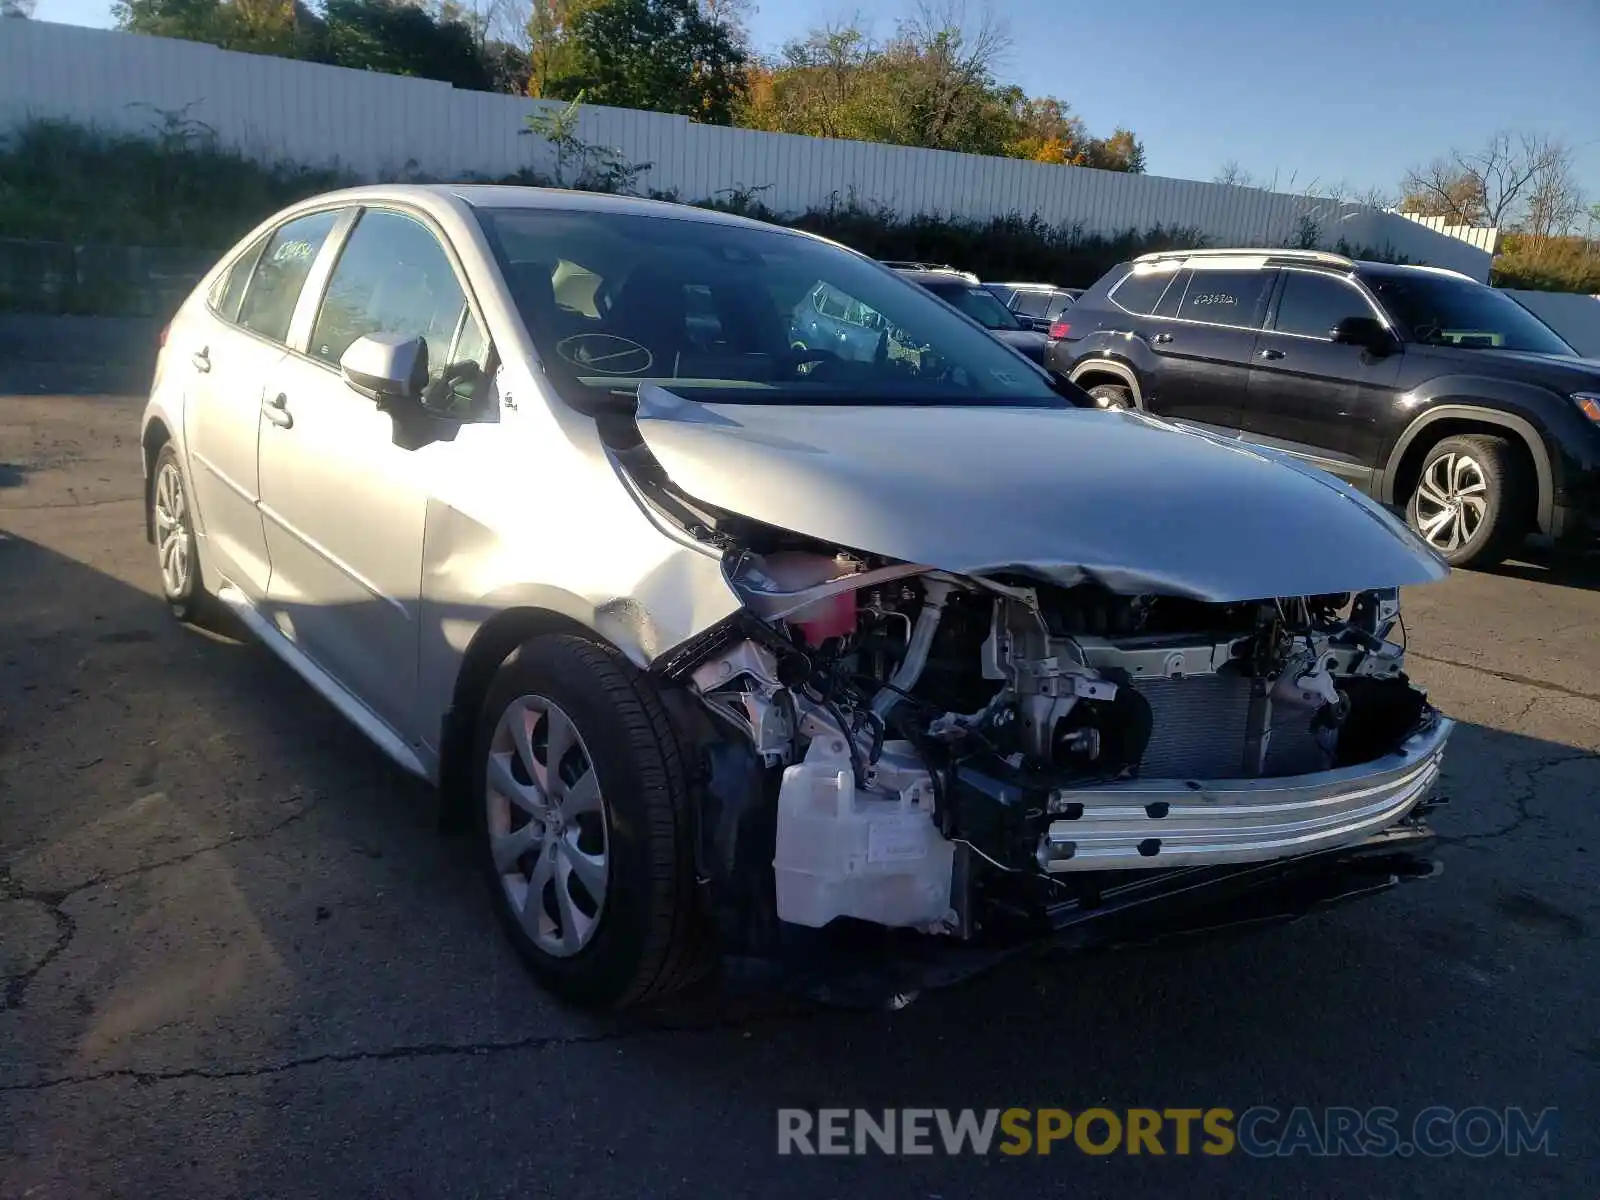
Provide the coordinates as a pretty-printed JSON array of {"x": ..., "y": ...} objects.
[{"x": 1201, "y": 724}]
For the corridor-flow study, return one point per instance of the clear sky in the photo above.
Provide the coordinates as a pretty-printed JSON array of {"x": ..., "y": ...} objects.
[{"x": 1324, "y": 92}]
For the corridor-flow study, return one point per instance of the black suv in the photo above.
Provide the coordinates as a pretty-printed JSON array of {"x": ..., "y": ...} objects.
[{"x": 1421, "y": 387}]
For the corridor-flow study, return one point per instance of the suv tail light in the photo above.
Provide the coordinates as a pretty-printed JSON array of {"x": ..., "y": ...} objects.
[{"x": 1059, "y": 329}]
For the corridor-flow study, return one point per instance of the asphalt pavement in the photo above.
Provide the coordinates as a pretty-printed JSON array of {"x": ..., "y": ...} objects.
[{"x": 239, "y": 960}]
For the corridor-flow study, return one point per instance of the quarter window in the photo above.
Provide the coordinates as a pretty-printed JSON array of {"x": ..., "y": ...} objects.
[
  {"x": 1313, "y": 304},
  {"x": 229, "y": 288},
  {"x": 393, "y": 276},
  {"x": 1140, "y": 291},
  {"x": 280, "y": 273},
  {"x": 1226, "y": 297}
]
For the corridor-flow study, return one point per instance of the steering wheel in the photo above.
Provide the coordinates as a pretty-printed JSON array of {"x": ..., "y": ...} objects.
[{"x": 605, "y": 354}]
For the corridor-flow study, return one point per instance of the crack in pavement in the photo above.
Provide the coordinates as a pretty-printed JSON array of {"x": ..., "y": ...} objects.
[
  {"x": 71, "y": 504},
  {"x": 420, "y": 1050},
  {"x": 51, "y": 899},
  {"x": 1521, "y": 799},
  {"x": 1543, "y": 685}
]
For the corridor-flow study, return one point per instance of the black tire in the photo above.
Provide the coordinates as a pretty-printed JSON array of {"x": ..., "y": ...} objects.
[
  {"x": 189, "y": 601},
  {"x": 650, "y": 939},
  {"x": 1112, "y": 396},
  {"x": 1507, "y": 498}
]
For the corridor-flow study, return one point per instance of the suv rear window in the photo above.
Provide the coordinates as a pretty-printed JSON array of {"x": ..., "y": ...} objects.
[{"x": 1140, "y": 290}]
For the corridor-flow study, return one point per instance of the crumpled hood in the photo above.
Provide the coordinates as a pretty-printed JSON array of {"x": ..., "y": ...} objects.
[{"x": 1068, "y": 495}]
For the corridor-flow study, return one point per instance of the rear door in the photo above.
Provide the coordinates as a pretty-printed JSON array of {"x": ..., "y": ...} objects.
[
  {"x": 232, "y": 351},
  {"x": 1202, "y": 337},
  {"x": 1318, "y": 399},
  {"x": 1032, "y": 306}
]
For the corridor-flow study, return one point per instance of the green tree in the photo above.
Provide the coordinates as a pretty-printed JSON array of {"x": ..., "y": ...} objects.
[
  {"x": 660, "y": 55},
  {"x": 16, "y": 8},
  {"x": 934, "y": 85},
  {"x": 399, "y": 38},
  {"x": 553, "y": 54},
  {"x": 280, "y": 27}
]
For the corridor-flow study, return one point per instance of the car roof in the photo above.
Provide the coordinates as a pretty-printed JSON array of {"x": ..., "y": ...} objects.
[
  {"x": 500, "y": 195},
  {"x": 1401, "y": 270},
  {"x": 1246, "y": 258},
  {"x": 926, "y": 275}
]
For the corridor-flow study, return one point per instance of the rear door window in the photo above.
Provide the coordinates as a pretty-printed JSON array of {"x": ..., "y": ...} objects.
[
  {"x": 1235, "y": 298},
  {"x": 274, "y": 289},
  {"x": 1032, "y": 304},
  {"x": 1059, "y": 303}
]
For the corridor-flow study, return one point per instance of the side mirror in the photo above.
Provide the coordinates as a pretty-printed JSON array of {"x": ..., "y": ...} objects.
[
  {"x": 386, "y": 366},
  {"x": 1366, "y": 332}
]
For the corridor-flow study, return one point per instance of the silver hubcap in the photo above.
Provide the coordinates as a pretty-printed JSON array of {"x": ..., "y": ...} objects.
[
  {"x": 547, "y": 825},
  {"x": 1452, "y": 501},
  {"x": 172, "y": 530}
]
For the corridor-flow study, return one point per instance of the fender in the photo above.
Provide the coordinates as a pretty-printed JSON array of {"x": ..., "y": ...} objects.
[
  {"x": 1110, "y": 366},
  {"x": 1454, "y": 399}
]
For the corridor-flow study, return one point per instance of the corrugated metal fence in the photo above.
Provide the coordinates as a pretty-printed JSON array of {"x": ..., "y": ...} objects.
[{"x": 274, "y": 108}]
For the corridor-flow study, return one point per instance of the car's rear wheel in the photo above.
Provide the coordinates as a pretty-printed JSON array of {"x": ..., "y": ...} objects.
[
  {"x": 1112, "y": 396},
  {"x": 1473, "y": 502},
  {"x": 177, "y": 551},
  {"x": 584, "y": 825}
]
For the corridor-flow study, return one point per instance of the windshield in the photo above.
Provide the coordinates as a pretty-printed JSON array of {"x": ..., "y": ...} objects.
[
  {"x": 1437, "y": 310},
  {"x": 738, "y": 314},
  {"x": 977, "y": 302}
]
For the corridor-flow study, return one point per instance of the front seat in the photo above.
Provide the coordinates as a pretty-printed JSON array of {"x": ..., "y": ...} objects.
[
  {"x": 535, "y": 297},
  {"x": 650, "y": 308}
]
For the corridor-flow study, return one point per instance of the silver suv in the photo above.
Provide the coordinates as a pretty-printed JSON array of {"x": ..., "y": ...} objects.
[{"x": 727, "y": 643}]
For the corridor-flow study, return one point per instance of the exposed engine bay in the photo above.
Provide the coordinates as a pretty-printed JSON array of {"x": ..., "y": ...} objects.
[{"x": 957, "y": 755}]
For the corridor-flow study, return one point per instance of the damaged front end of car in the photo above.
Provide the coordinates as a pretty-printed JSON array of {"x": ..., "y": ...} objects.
[{"x": 910, "y": 773}]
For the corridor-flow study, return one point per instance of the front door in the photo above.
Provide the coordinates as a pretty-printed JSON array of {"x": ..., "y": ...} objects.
[
  {"x": 1318, "y": 399},
  {"x": 344, "y": 499},
  {"x": 1202, "y": 337}
]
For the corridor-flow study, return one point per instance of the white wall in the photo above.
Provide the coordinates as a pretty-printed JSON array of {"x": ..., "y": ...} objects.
[
  {"x": 1484, "y": 237},
  {"x": 1574, "y": 317},
  {"x": 279, "y": 108}
]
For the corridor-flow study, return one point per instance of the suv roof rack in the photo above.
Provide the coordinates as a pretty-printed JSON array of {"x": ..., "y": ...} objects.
[
  {"x": 902, "y": 265},
  {"x": 1317, "y": 256}
]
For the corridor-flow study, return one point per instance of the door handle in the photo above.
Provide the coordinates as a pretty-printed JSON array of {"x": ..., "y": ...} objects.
[
  {"x": 1270, "y": 354},
  {"x": 1161, "y": 339},
  {"x": 276, "y": 410},
  {"x": 201, "y": 359}
]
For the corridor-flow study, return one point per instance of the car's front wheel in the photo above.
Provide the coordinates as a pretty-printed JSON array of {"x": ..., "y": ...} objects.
[
  {"x": 584, "y": 825},
  {"x": 1473, "y": 502}
]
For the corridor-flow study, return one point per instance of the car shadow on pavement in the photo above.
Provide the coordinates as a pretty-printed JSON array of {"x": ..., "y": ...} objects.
[
  {"x": 214, "y": 887},
  {"x": 1559, "y": 568}
]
